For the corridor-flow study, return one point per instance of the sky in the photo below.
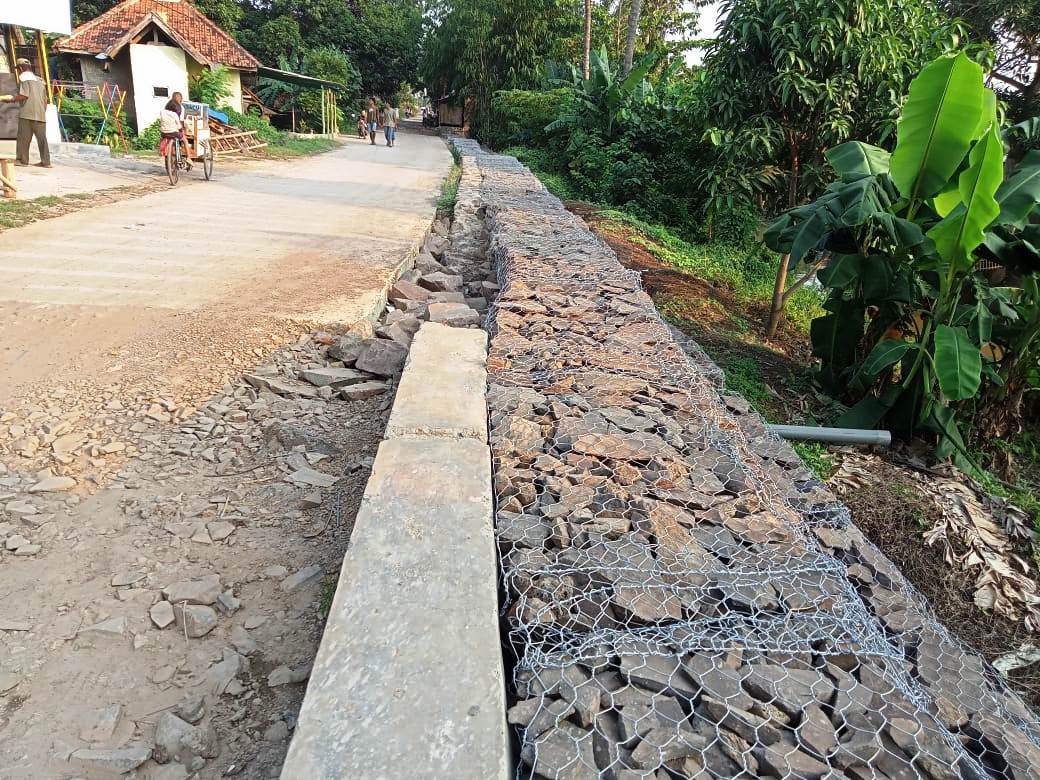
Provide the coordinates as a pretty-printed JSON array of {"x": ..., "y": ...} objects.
[{"x": 709, "y": 20}]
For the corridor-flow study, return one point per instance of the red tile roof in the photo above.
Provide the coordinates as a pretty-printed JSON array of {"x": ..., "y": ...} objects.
[{"x": 196, "y": 32}]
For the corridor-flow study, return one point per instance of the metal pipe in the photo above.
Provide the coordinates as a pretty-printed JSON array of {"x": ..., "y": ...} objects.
[{"x": 832, "y": 435}]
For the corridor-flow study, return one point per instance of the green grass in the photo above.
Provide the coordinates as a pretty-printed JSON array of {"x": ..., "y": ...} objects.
[
  {"x": 748, "y": 270},
  {"x": 288, "y": 146},
  {"x": 744, "y": 378},
  {"x": 15, "y": 213},
  {"x": 450, "y": 192},
  {"x": 328, "y": 593},
  {"x": 1025, "y": 491},
  {"x": 814, "y": 456}
]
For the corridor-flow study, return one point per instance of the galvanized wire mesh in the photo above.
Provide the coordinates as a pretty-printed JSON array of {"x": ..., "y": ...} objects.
[{"x": 683, "y": 598}]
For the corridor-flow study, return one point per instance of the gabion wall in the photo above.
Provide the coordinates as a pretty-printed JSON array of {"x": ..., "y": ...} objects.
[{"x": 683, "y": 598}]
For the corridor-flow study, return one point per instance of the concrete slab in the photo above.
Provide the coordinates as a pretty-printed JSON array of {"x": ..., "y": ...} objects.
[
  {"x": 442, "y": 391},
  {"x": 318, "y": 239},
  {"x": 409, "y": 680}
]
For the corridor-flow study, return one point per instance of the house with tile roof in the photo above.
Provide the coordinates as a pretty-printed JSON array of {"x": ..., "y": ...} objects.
[{"x": 151, "y": 49}]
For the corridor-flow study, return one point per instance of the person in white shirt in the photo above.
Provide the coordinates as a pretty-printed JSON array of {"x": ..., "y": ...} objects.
[{"x": 171, "y": 124}]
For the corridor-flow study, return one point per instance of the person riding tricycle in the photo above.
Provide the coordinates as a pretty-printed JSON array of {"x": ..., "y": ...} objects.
[
  {"x": 171, "y": 127},
  {"x": 185, "y": 130}
]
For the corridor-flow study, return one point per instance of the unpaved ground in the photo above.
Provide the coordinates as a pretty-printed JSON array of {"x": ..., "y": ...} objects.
[{"x": 121, "y": 370}]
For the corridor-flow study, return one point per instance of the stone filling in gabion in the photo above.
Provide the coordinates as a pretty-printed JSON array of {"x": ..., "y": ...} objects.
[{"x": 684, "y": 599}]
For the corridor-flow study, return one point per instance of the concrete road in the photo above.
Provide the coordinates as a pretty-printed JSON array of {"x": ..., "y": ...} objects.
[{"x": 309, "y": 239}]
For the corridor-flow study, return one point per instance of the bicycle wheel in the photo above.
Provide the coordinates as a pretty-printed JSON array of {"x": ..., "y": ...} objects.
[
  {"x": 171, "y": 162},
  {"x": 207, "y": 161}
]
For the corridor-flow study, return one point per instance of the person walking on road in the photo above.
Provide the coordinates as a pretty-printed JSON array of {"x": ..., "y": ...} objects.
[
  {"x": 390, "y": 119},
  {"x": 373, "y": 119},
  {"x": 32, "y": 115}
]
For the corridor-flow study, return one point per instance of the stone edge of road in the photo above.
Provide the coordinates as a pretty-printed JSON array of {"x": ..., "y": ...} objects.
[
  {"x": 409, "y": 676},
  {"x": 365, "y": 326}
]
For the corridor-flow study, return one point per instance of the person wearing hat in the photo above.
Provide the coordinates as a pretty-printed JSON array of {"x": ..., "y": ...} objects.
[{"x": 32, "y": 115}]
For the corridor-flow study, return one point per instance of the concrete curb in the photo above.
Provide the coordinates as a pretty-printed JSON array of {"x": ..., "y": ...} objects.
[{"x": 409, "y": 680}]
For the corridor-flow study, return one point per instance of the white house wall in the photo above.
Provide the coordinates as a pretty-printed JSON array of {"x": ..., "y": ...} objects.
[
  {"x": 155, "y": 66},
  {"x": 233, "y": 78}
]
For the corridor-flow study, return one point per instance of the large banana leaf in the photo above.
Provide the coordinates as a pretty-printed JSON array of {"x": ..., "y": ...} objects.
[
  {"x": 1019, "y": 195},
  {"x": 870, "y": 410},
  {"x": 843, "y": 204},
  {"x": 840, "y": 271},
  {"x": 885, "y": 353},
  {"x": 964, "y": 228},
  {"x": 854, "y": 160},
  {"x": 835, "y": 338},
  {"x": 939, "y": 121},
  {"x": 958, "y": 362}
]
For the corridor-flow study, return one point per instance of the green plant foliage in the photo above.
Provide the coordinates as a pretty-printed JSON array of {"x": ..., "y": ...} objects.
[
  {"x": 814, "y": 456},
  {"x": 82, "y": 119},
  {"x": 937, "y": 126},
  {"x": 148, "y": 139},
  {"x": 520, "y": 116},
  {"x": 854, "y": 159},
  {"x": 476, "y": 48},
  {"x": 210, "y": 86},
  {"x": 380, "y": 37},
  {"x": 615, "y": 140},
  {"x": 958, "y": 362},
  {"x": 963, "y": 229},
  {"x": 913, "y": 338},
  {"x": 1020, "y": 194},
  {"x": 785, "y": 80}
]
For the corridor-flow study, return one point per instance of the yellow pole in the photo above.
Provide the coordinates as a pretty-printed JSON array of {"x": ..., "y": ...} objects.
[{"x": 45, "y": 68}]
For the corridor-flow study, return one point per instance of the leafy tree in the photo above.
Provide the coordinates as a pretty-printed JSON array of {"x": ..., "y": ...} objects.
[
  {"x": 85, "y": 10},
  {"x": 786, "y": 79},
  {"x": 226, "y": 13},
  {"x": 385, "y": 46},
  {"x": 664, "y": 26},
  {"x": 477, "y": 47},
  {"x": 331, "y": 64},
  {"x": 274, "y": 40}
]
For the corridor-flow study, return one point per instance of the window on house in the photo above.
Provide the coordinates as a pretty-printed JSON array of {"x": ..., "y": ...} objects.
[{"x": 161, "y": 91}]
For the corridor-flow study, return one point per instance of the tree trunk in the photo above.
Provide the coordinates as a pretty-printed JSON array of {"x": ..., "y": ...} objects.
[
  {"x": 587, "y": 47},
  {"x": 776, "y": 310},
  {"x": 633, "y": 28}
]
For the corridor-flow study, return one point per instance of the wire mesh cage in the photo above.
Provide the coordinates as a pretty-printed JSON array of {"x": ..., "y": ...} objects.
[{"x": 683, "y": 598}]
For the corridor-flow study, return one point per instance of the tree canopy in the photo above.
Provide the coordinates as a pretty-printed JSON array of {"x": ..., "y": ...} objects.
[{"x": 380, "y": 38}]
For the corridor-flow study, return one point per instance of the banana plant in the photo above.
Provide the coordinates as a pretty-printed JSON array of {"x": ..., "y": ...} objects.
[
  {"x": 604, "y": 95},
  {"x": 913, "y": 336}
]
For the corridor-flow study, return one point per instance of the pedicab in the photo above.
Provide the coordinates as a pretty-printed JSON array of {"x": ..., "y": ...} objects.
[{"x": 199, "y": 142}]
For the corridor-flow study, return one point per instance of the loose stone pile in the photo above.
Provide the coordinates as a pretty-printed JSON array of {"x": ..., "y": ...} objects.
[{"x": 684, "y": 599}]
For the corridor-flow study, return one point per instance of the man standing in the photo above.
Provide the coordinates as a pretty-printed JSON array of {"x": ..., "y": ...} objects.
[
  {"x": 32, "y": 116},
  {"x": 390, "y": 117},
  {"x": 373, "y": 119}
]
